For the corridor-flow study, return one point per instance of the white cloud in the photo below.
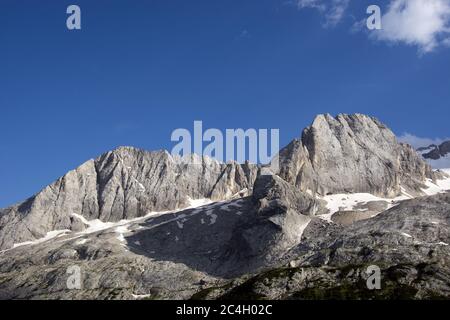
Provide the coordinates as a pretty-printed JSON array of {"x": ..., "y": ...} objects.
[
  {"x": 333, "y": 10},
  {"x": 419, "y": 142},
  {"x": 442, "y": 163},
  {"x": 422, "y": 23},
  {"x": 244, "y": 34}
]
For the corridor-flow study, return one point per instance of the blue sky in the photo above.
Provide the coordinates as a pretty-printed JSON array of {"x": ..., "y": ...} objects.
[{"x": 140, "y": 69}]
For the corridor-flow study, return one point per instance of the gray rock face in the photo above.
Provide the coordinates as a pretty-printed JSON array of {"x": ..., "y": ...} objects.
[
  {"x": 436, "y": 152},
  {"x": 257, "y": 223},
  {"x": 296, "y": 167},
  {"x": 352, "y": 153},
  {"x": 413, "y": 170},
  {"x": 233, "y": 250},
  {"x": 171, "y": 255},
  {"x": 271, "y": 192},
  {"x": 438, "y": 156},
  {"x": 409, "y": 243},
  {"x": 227, "y": 239},
  {"x": 122, "y": 184},
  {"x": 335, "y": 155}
]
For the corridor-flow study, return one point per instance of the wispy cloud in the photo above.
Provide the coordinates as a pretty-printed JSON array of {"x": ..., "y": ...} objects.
[
  {"x": 424, "y": 24},
  {"x": 333, "y": 10},
  {"x": 245, "y": 34},
  {"x": 421, "y": 23},
  {"x": 419, "y": 142}
]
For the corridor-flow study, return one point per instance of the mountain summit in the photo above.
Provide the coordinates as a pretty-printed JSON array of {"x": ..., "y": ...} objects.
[
  {"x": 353, "y": 154},
  {"x": 437, "y": 156},
  {"x": 346, "y": 154},
  {"x": 147, "y": 224}
]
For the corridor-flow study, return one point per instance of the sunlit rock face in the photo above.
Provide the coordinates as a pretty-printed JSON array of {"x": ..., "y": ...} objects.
[
  {"x": 147, "y": 224},
  {"x": 352, "y": 154},
  {"x": 123, "y": 184}
]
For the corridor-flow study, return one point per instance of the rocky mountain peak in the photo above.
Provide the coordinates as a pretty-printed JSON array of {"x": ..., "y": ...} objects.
[
  {"x": 124, "y": 183},
  {"x": 352, "y": 153},
  {"x": 187, "y": 224},
  {"x": 439, "y": 151},
  {"x": 342, "y": 154},
  {"x": 438, "y": 156}
]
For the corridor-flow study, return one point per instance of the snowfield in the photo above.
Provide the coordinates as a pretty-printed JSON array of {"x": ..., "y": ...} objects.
[
  {"x": 440, "y": 185},
  {"x": 121, "y": 227},
  {"x": 350, "y": 202},
  {"x": 335, "y": 203},
  {"x": 50, "y": 235}
]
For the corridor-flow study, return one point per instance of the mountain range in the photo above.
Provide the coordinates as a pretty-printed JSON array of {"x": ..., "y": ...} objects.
[
  {"x": 438, "y": 156},
  {"x": 148, "y": 225}
]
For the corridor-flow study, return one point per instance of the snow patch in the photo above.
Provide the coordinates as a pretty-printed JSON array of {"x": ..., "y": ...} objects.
[
  {"x": 213, "y": 219},
  {"x": 213, "y": 216},
  {"x": 121, "y": 230},
  {"x": 140, "y": 296},
  {"x": 180, "y": 224},
  {"x": 50, "y": 235},
  {"x": 198, "y": 202},
  {"x": 440, "y": 186},
  {"x": 81, "y": 241},
  {"x": 425, "y": 151},
  {"x": 406, "y": 235},
  {"x": 141, "y": 186},
  {"x": 97, "y": 225},
  {"x": 348, "y": 202}
]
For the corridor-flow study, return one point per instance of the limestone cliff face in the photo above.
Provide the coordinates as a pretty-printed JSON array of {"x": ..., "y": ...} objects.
[
  {"x": 268, "y": 221},
  {"x": 349, "y": 153},
  {"x": 122, "y": 184},
  {"x": 352, "y": 153}
]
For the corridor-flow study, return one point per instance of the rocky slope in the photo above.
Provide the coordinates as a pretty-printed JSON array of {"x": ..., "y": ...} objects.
[
  {"x": 122, "y": 184},
  {"x": 438, "y": 156},
  {"x": 409, "y": 243},
  {"x": 136, "y": 226},
  {"x": 173, "y": 254},
  {"x": 242, "y": 249}
]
